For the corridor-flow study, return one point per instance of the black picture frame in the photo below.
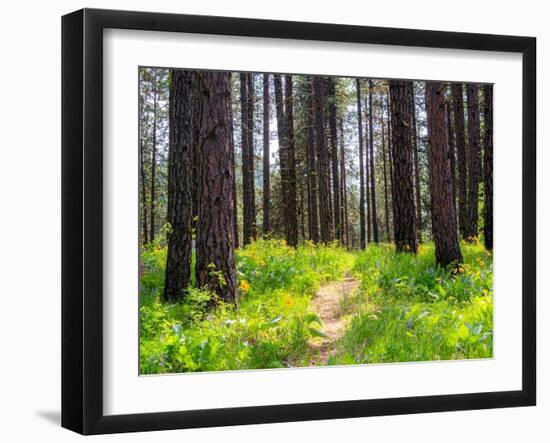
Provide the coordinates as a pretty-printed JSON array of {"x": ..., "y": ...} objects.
[{"x": 82, "y": 218}]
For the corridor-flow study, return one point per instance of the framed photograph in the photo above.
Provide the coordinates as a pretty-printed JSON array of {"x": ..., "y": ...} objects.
[{"x": 269, "y": 221}]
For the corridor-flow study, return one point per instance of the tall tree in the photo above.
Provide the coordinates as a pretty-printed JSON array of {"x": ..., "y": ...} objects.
[
  {"x": 343, "y": 187},
  {"x": 405, "y": 218},
  {"x": 152, "y": 211},
  {"x": 334, "y": 157},
  {"x": 473, "y": 159},
  {"x": 416, "y": 167},
  {"x": 460, "y": 144},
  {"x": 488, "y": 165},
  {"x": 142, "y": 175},
  {"x": 447, "y": 248},
  {"x": 266, "y": 168},
  {"x": 313, "y": 217},
  {"x": 184, "y": 120},
  {"x": 215, "y": 257},
  {"x": 291, "y": 213},
  {"x": 247, "y": 146},
  {"x": 372, "y": 160},
  {"x": 452, "y": 155},
  {"x": 362, "y": 235},
  {"x": 322, "y": 166},
  {"x": 385, "y": 171}
]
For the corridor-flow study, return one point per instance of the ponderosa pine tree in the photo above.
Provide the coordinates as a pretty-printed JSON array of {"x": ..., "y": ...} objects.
[
  {"x": 331, "y": 93},
  {"x": 362, "y": 224},
  {"x": 385, "y": 171},
  {"x": 460, "y": 145},
  {"x": 152, "y": 210},
  {"x": 447, "y": 248},
  {"x": 405, "y": 218},
  {"x": 488, "y": 165},
  {"x": 473, "y": 159},
  {"x": 266, "y": 157},
  {"x": 184, "y": 121},
  {"x": 215, "y": 247},
  {"x": 372, "y": 161},
  {"x": 291, "y": 213},
  {"x": 313, "y": 216},
  {"x": 452, "y": 155},
  {"x": 142, "y": 175},
  {"x": 249, "y": 205},
  {"x": 343, "y": 187},
  {"x": 322, "y": 163},
  {"x": 416, "y": 156}
]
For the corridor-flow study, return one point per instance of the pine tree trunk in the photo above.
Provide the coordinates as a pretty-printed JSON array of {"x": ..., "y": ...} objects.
[
  {"x": 390, "y": 163},
  {"x": 416, "y": 156},
  {"x": 215, "y": 263},
  {"x": 142, "y": 175},
  {"x": 372, "y": 160},
  {"x": 473, "y": 157},
  {"x": 447, "y": 248},
  {"x": 184, "y": 105},
  {"x": 291, "y": 214},
  {"x": 488, "y": 165},
  {"x": 451, "y": 140},
  {"x": 249, "y": 206},
  {"x": 362, "y": 230},
  {"x": 313, "y": 217},
  {"x": 334, "y": 148},
  {"x": 322, "y": 166},
  {"x": 266, "y": 157},
  {"x": 153, "y": 161},
  {"x": 385, "y": 171},
  {"x": 405, "y": 217},
  {"x": 344, "y": 198},
  {"x": 458, "y": 114}
]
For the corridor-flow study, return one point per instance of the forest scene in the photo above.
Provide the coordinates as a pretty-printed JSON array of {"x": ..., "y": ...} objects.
[{"x": 304, "y": 220}]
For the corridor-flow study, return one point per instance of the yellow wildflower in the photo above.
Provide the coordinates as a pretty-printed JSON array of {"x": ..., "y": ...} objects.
[{"x": 244, "y": 286}]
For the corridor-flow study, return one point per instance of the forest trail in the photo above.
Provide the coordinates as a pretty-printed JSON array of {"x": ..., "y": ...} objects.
[{"x": 326, "y": 304}]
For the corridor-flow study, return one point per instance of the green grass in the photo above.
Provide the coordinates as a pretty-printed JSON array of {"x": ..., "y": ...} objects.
[
  {"x": 410, "y": 310},
  {"x": 407, "y": 309},
  {"x": 270, "y": 327}
]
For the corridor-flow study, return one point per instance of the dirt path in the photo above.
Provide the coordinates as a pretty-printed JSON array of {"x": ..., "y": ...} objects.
[{"x": 326, "y": 304}]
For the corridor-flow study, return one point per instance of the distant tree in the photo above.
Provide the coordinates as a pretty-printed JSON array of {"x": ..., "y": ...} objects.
[
  {"x": 362, "y": 227},
  {"x": 291, "y": 213},
  {"x": 322, "y": 165},
  {"x": 334, "y": 156},
  {"x": 247, "y": 147},
  {"x": 313, "y": 216},
  {"x": 266, "y": 157},
  {"x": 488, "y": 165},
  {"x": 473, "y": 158},
  {"x": 460, "y": 144},
  {"x": 405, "y": 218},
  {"x": 215, "y": 261},
  {"x": 372, "y": 161},
  {"x": 447, "y": 248},
  {"x": 416, "y": 167},
  {"x": 184, "y": 117}
]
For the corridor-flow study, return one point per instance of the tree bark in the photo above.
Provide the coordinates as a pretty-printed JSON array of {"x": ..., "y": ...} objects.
[
  {"x": 142, "y": 175},
  {"x": 473, "y": 157},
  {"x": 362, "y": 230},
  {"x": 153, "y": 161},
  {"x": 343, "y": 188},
  {"x": 452, "y": 154},
  {"x": 215, "y": 263},
  {"x": 334, "y": 148},
  {"x": 372, "y": 160},
  {"x": 322, "y": 166},
  {"x": 385, "y": 171},
  {"x": 416, "y": 159},
  {"x": 313, "y": 217},
  {"x": 184, "y": 108},
  {"x": 266, "y": 157},
  {"x": 249, "y": 205},
  {"x": 458, "y": 114},
  {"x": 488, "y": 166},
  {"x": 405, "y": 218},
  {"x": 447, "y": 248},
  {"x": 291, "y": 213}
]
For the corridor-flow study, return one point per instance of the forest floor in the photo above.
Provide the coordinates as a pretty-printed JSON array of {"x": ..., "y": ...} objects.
[{"x": 327, "y": 304}]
